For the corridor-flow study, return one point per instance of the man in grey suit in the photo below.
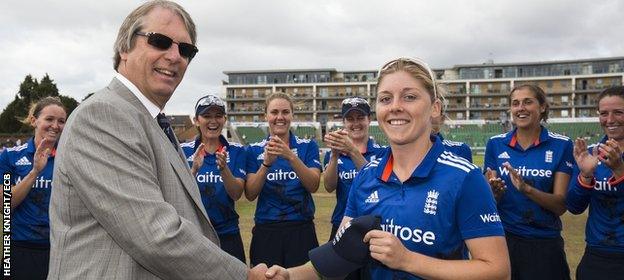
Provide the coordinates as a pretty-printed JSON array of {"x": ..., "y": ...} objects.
[{"x": 124, "y": 204}]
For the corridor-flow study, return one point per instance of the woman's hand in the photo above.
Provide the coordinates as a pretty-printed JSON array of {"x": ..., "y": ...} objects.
[
  {"x": 221, "y": 156},
  {"x": 611, "y": 155},
  {"x": 496, "y": 183},
  {"x": 198, "y": 158},
  {"x": 386, "y": 248},
  {"x": 276, "y": 147},
  {"x": 516, "y": 179},
  {"x": 42, "y": 153},
  {"x": 585, "y": 161},
  {"x": 339, "y": 141}
]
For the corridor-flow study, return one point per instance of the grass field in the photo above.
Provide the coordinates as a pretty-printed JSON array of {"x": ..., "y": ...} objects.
[{"x": 573, "y": 226}]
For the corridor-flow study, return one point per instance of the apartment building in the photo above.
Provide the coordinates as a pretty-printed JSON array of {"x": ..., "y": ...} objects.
[{"x": 474, "y": 91}]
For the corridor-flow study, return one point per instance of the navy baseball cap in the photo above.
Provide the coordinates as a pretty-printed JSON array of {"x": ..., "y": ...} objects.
[
  {"x": 210, "y": 100},
  {"x": 347, "y": 251},
  {"x": 355, "y": 103}
]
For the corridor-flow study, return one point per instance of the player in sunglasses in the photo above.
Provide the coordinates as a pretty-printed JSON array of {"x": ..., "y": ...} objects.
[{"x": 219, "y": 169}]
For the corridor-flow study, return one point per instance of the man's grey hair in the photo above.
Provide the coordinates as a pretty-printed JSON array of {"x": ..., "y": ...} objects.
[{"x": 134, "y": 23}]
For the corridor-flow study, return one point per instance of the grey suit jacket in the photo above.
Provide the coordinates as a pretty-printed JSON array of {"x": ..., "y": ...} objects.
[{"x": 124, "y": 203}]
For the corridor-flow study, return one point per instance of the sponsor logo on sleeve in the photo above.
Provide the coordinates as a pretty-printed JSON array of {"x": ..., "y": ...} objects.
[{"x": 490, "y": 218}]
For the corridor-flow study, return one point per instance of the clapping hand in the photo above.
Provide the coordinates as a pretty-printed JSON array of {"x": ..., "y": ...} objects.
[
  {"x": 42, "y": 154},
  {"x": 517, "y": 180},
  {"x": 496, "y": 183}
]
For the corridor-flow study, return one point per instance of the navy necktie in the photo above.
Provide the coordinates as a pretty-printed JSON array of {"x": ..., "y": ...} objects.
[{"x": 163, "y": 122}]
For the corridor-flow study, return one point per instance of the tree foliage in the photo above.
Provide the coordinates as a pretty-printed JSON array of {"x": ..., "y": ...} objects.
[{"x": 30, "y": 91}]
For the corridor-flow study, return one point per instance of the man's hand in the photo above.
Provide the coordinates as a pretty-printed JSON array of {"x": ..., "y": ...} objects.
[{"x": 258, "y": 272}]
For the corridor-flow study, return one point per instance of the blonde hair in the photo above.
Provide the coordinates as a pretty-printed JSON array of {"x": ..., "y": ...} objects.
[
  {"x": 36, "y": 107},
  {"x": 418, "y": 69},
  {"x": 278, "y": 95}
]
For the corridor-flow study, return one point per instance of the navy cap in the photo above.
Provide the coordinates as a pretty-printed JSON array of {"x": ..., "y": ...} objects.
[
  {"x": 210, "y": 100},
  {"x": 355, "y": 103},
  {"x": 347, "y": 251}
]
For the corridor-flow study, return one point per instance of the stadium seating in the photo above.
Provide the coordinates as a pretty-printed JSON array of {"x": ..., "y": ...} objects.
[{"x": 475, "y": 134}]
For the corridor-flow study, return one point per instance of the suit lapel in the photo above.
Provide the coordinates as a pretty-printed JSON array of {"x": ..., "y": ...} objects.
[{"x": 175, "y": 156}]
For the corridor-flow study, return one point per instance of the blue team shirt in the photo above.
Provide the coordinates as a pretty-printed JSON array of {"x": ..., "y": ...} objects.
[
  {"x": 30, "y": 221},
  {"x": 218, "y": 204},
  {"x": 550, "y": 153},
  {"x": 283, "y": 197},
  {"x": 444, "y": 202},
  {"x": 605, "y": 223},
  {"x": 459, "y": 148},
  {"x": 346, "y": 173}
]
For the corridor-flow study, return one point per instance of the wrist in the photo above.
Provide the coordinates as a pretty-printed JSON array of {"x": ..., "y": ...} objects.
[
  {"x": 527, "y": 189},
  {"x": 266, "y": 165}
]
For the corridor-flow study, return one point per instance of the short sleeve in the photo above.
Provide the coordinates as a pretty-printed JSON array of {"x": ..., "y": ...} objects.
[
  {"x": 312, "y": 159},
  {"x": 6, "y": 167},
  {"x": 238, "y": 162},
  {"x": 476, "y": 211},
  {"x": 489, "y": 160},
  {"x": 351, "y": 209},
  {"x": 326, "y": 159},
  {"x": 567, "y": 160},
  {"x": 251, "y": 162}
]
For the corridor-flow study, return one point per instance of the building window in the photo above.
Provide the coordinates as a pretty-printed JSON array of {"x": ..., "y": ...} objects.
[{"x": 564, "y": 113}]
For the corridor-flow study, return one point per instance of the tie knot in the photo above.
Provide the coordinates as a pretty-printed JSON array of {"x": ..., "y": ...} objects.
[{"x": 163, "y": 122}]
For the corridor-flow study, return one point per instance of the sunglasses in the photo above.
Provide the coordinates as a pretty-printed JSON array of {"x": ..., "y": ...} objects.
[
  {"x": 210, "y": 100},
  {"x": 354, "y": 101},
  {"x": 414, "y": 61},
  {"x": 163, "y": 42}
]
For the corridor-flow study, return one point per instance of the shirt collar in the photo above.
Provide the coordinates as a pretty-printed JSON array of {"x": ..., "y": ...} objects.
[
  {"x": 512, "y": 140},
  {"x": 222, "y": 140},
  {"x": 439, "y": 135},
  {"x": 370, "y": 145},
  {"x": 31, "y": 148},
  {"x": 604, "y": 139},
  {"x": 423, "y": 169},
  {"x": 149, "y": 105}
]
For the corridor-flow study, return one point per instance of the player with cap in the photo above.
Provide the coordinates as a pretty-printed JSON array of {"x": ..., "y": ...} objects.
[
  {"x": 219, "y": 169},
  {"x": 534, "y": 166},
  {"x": 597, "y": 183},
  {"x": 283, "y": 172},
  {"x": 436, "y": 206},
  {"x": 351, "y": 148},
  {"x": 459, "y": 148}
]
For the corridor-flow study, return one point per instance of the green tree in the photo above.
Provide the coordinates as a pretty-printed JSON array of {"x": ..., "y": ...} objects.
[{"x": 30, "y": 91}]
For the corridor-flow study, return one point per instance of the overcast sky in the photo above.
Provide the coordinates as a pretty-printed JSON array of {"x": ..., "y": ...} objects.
[{"x": 72, "y": 40}]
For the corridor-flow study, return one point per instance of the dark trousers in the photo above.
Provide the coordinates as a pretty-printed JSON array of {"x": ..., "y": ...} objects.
[
  {"x": 282, "y": 243},
  {"x": 537, "y": 258},
  {"x": 233, "y": 245},
  {"x": 29, "y": 261},
  {"x": 598, "y": 265}
]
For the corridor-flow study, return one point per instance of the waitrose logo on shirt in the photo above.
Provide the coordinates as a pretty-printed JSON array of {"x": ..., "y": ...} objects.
[{"x": 524, "y": 172}]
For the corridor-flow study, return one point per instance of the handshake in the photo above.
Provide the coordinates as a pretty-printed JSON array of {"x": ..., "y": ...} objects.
[
  {"x": 261, "y": 271},
  {"x": 336, "y": 259}
]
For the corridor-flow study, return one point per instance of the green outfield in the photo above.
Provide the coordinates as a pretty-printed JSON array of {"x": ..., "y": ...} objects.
[{"x": 573, "y": 226}]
